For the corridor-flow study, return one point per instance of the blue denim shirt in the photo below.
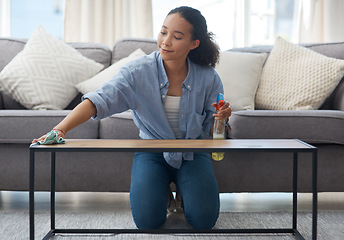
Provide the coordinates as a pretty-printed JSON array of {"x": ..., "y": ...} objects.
[{"x": 142, "y": 85}]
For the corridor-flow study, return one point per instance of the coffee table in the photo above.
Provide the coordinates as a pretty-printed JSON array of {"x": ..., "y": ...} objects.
[{"x": 229, "y": 145}]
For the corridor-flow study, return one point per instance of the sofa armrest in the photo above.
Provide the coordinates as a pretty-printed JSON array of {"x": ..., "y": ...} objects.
[{"x": 338, "y": 102}]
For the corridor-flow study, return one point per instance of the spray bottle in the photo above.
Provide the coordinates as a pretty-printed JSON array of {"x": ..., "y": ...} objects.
[{"x": 219, "y": 128}]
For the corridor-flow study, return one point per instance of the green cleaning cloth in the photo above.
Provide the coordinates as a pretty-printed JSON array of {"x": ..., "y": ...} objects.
[{"x": 52, "y": 138}]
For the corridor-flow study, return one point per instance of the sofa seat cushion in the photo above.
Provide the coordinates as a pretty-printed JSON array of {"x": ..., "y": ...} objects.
[
  {"x": 21, "y": 126},
  {"x": 118, "y": 126},
  {"x": 312, "y": 126}
]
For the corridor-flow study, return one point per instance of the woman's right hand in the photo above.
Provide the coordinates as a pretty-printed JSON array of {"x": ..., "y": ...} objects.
[
  {"x": 80, "y": 114},
  {"x": 42, "y": 138}
]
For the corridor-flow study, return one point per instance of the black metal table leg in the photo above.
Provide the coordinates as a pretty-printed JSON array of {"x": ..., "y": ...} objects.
[
  {"x": 295, "y": 173},
  {"x": 52, "y": 196},
  {"x": 32, "y": 194},
  {"x": 52, "y": 191},
  {"x": 315, "y": 193}
]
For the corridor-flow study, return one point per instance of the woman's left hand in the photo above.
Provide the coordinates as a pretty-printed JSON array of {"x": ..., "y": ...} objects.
[{"x": 224, "y": 113}]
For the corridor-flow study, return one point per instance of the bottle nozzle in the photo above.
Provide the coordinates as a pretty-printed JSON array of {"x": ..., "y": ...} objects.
[{"x": 220, "y": 101}]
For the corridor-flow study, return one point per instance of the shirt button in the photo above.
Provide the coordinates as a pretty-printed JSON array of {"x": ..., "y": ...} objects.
[
  {"x": 182, "y": 115},
  {"x": 188, "y": 86},
  {"x": 161, "y": 84},
  {"x": 163, "y": 96}
]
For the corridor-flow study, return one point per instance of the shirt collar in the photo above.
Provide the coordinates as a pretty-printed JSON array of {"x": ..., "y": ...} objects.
[
  {"x": 187, "y": 81},
  {"x": 163, "y": 80}
]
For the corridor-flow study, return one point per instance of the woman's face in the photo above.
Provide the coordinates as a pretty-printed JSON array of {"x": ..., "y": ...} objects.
[{"x": 175, "y": 39}]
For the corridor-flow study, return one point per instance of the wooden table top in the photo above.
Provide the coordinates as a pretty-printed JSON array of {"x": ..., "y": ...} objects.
[{"x": 178, "y": 145}]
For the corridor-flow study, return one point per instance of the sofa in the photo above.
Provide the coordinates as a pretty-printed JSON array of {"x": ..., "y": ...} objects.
[{"x": 110, "y": 172}]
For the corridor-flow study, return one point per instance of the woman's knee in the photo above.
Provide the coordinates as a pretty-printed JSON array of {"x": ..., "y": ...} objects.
[
  {"x": 148, "y": 220},
  {"x": 202, "y": 219},
  {"x": 149, "y": 208}
]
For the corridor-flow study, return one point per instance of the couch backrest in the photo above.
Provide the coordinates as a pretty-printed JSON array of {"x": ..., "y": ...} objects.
[
  {"x": 10, "y": 47},
  {"x": 335, "y": 50},
  {"x": 124, "y": 47}
]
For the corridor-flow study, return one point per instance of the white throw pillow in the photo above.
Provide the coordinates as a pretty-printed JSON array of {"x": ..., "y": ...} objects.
[
  {"x": 297, "y": 78},
  {"x": 107, "y": 74},
  {"x": 240, "y": 73},
  {"x": 44, "y": 74}
]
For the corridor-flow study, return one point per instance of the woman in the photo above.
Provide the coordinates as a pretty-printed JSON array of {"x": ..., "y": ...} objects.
[{"x": 171, "y": 93}]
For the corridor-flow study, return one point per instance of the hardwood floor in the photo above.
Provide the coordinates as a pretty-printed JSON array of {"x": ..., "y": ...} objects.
[{"x": 234, "y": 202}]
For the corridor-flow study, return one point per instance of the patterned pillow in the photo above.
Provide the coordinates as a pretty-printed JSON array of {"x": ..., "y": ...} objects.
[
  {"x": 44, "y": 74},
  {"x": 297, "y": 78}
]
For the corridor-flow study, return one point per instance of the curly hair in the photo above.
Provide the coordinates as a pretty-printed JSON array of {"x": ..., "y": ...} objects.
[{"x": 207, "y": 53}]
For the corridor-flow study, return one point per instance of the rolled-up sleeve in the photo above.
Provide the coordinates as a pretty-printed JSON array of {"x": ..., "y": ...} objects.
[{"x": 115, "y": 96}]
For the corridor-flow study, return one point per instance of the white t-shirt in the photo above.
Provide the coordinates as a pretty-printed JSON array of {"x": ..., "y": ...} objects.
[{"x": 172, "y": 114}]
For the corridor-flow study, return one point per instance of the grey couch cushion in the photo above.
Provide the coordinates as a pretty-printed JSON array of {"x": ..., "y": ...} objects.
[
  {"x": 21, "y": 126},
  {"x": 9, "y": 103},
  {"x": 6, "y": 102},
  {"x": 338, "y": 103},
  {"x": 96, "y": 51},
  {"x": 313, "y": 126},
  {"x": 1, "y": 102},
  {"x": 118, "y": 126},
  {"x": 334, "y": 50},
  {"x": 9, "y": 49},
  {"x": 124, "y": 47}
]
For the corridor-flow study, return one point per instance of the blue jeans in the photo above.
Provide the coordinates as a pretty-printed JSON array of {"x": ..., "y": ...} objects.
[{"x": 195, "y": 180}]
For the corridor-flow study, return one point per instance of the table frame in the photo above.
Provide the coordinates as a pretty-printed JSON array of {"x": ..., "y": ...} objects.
[{"x": 294, "y": 146}]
